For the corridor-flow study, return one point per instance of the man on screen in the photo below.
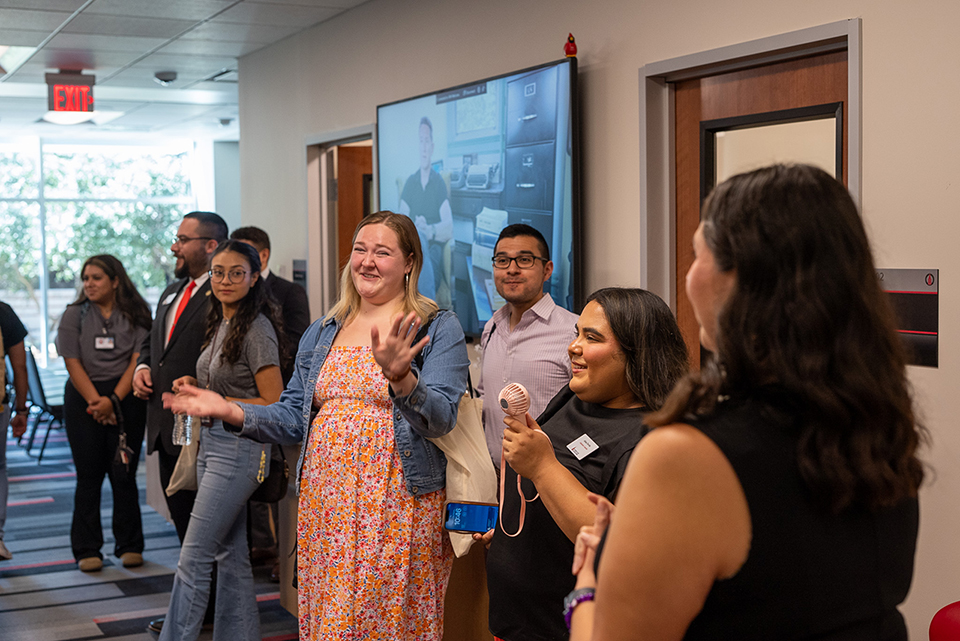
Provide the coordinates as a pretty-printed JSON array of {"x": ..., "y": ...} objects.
[{"x": 425, "y": 200}]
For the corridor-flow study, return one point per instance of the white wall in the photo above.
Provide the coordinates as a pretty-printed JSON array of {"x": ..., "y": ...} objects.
[
  {"x": 226, "y": 172},
  {"x": 332, "y": 77}
]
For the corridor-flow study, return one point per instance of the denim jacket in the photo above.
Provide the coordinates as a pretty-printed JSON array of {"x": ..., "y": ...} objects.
[{"x": 430, "y": 410}]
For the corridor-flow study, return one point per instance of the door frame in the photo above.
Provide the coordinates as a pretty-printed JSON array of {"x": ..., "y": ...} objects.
[
  {"x": 323, "y": 271},
  {"x": 657, "y": 130}
]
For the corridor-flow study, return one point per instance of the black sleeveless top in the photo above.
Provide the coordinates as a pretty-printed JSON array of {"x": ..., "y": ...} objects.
[{"x": 809, "y": 574}]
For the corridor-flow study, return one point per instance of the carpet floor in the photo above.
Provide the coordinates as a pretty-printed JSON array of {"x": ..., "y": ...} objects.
[{"x": 44, "y": 597}]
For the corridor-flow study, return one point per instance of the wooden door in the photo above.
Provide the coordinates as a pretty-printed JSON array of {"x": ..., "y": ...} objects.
[
  {"x": 803, "y": 82},
  {"x": 354, "y": 172}
]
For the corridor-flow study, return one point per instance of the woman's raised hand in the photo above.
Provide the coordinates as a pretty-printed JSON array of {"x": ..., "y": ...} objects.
[
  {"x": 395, "y": 351},
  {"x": 192, "y": 400}
]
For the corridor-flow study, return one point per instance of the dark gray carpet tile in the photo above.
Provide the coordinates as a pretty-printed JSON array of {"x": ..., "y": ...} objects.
[{"x": 146, "y": 585}]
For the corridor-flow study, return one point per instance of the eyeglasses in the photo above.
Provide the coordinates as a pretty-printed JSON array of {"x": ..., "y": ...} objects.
[
  {"x": 183, "y": 240},
  {"x": 524, "y": 261},
  {"x": 234, "y": 275}
]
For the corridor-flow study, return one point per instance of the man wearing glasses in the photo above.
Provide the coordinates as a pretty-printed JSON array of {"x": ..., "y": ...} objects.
[
  {"x": 526, "y": 340},
  {"x": 171, "y": 348}
]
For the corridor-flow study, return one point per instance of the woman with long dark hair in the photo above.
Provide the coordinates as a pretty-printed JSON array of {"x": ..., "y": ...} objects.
[
  {"x": 240, "y": 359},
  {"x": 99, "y": 339},
  {"x": 777, "y": 498},
  {"x": 368, "y": 392},
  {"x": 626, "y": 357}
]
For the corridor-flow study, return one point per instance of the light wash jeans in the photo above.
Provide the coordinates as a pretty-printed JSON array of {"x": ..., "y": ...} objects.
[
  {"x": 5, "y": 414},
  {"x": 227, "y": 469}
]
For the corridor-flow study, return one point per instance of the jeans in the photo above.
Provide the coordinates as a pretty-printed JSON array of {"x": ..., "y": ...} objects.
[
  {"x": 4, "y": 484},
  {"x": 93, "y": 447},
  {"x": 227, "y": 471}
]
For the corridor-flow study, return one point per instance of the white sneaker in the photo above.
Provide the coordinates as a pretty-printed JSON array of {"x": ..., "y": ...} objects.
[{"x": 5, "y": 554}]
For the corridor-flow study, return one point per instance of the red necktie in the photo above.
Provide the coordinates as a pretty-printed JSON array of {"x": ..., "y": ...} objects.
[{"x": 183, "y": 303}]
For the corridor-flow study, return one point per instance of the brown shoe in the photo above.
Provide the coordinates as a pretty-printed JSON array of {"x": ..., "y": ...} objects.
[
  {"x": 90, "y": 564},
  {"x": 131, "y": 559}
]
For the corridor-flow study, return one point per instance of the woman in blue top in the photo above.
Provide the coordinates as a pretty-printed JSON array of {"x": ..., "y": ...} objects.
[{"x": 373, "y": 561}]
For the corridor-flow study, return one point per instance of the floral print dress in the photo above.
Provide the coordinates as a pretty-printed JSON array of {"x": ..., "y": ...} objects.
[{"x": 373, "y": 561}]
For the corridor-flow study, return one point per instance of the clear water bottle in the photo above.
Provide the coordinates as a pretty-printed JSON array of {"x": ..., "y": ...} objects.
[{"x": 182, "y": 429}]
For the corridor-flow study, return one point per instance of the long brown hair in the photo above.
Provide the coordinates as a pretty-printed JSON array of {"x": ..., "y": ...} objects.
[
  {"x": 256, "y": 302},
  {"x": 647, "y": 333},
  {"x": 807, "y": 314},
  {"x": 127, "y": 299},
  {"x": 348, "y": 305}
]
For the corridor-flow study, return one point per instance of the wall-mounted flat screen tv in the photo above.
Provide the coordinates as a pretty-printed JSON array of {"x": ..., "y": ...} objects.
[{"x": 465, "y": 162}]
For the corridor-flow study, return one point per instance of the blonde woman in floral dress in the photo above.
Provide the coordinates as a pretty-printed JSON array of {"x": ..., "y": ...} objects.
[{"x": 373, "y": 561}]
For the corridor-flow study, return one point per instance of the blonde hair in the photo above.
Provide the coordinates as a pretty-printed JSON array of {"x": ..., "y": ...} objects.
[{"x": 348, "y": 305}]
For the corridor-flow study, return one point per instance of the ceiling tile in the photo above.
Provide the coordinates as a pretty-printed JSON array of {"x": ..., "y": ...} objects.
[
  {"x": 126, "y": 44},
  {"x": 195, "y": 10},
  {"x": 68, "y": 6},
  {"x": 127, "y": 26},
  {"x": 178, "y": 62},
  {"x": 35, "y": 70},
  {"x": 333, "y": 4},
  {"x": 21, "y": 37},
  {"x": 263, "y": 34},
  {"x": 33, "y": 20},
  {"x": 83, "y": 58},
  {"x": 211, "y": 47},
  {"x": 285, "y": 15}
]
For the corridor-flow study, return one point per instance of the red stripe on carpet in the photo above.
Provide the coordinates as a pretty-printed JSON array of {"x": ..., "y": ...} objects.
[
  {"x": 42, "y": 477},
  {"x": 137, "y": 614},
  {"x": 46, "y": 499},
  {"x": 44, "y": 564}
]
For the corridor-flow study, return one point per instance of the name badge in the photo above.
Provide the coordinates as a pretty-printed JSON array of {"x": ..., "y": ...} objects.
[
  {"x": 582, "y": 447},
  {"x": 169, "y": 299},
  {"x": 103, "y": 342}
]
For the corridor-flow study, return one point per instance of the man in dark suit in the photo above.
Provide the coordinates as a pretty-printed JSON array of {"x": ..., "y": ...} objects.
[
  {"x": 171, "y": 348},
  {"x": 290, "y": 297}
]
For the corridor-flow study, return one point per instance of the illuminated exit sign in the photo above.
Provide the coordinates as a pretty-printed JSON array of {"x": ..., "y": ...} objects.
[{"x": 69, "y": 92}]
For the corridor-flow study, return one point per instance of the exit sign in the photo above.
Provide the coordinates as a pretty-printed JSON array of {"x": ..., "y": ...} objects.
[{"x": 69, "y": 92}]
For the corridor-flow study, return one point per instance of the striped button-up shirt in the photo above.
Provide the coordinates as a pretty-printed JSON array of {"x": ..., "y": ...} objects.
[{"x": 533, "y": 354}]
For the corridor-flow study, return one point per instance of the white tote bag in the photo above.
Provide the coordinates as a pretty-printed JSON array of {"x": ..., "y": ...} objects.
[{"x": 470, "y": 473}]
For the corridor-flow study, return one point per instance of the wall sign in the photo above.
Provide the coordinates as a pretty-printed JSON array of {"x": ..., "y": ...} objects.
[
  {"x": 69, "y": 92},
  {"x": 915, "y": 296}
]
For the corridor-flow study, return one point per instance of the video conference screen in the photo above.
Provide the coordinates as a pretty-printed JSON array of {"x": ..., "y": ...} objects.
[{"x": 466, "y": 162}]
